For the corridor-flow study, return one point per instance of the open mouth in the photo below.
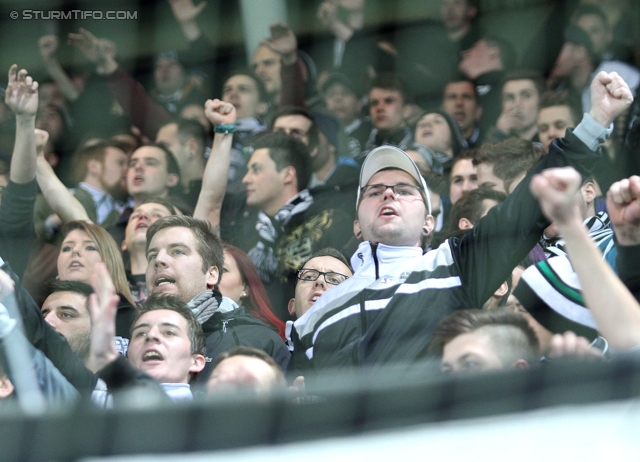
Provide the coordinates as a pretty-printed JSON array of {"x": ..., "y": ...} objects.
[
  {"x": 75, "y": 264},
  {"x": 387, "y": 212},
  {"x": 152, "y": 356},
  {"x": 314, "y": 298},
  {"x": 164, "y": 281}
]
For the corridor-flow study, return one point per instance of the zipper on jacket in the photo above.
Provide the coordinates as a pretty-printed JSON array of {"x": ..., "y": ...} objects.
[
  {"x": 374, "y": 253},
  {"x": 224, "y": 326}
]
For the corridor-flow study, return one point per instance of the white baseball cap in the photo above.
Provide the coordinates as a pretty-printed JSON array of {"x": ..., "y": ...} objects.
[{"x": 391, "y": 157}]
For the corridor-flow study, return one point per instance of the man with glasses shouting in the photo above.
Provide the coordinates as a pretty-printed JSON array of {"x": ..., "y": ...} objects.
[
  {"x": 323, "y": 271},
  {"x": 387, "y": 311}
]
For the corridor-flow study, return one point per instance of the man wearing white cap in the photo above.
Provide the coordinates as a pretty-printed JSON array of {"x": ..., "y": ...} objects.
[{"x": 387, "y": 310}]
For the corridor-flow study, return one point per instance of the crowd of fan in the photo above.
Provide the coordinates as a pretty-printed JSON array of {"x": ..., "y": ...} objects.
[{"x": 358, "y": 203}]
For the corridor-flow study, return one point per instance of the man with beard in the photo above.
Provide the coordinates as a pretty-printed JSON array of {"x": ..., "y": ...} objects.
[
  {"x": 67, "y": 311},
  {"x": 102, "y": 169}
]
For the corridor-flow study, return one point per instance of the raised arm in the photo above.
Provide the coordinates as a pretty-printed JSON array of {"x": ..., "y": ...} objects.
[
  {"x": 59, "y": 198},
  {"x": 284, "y": 42},
  {"x": 214, "y": 181},
  {"x": 16, "y": 210},
  {"x": 48, "y": 45},
  {"x": 103, "y": 305},
  {"x": 488, "y": 253},
  {"x": 623, "y": 206},
  {"x": 22, "y": 98},
  {"x": 328, "y": 13},
  {"x": 51, "y": 343},
  {"x": 616, "y": 312},
  {"x": 186, "y": 13},
  {"x": 144, "y": 113}
]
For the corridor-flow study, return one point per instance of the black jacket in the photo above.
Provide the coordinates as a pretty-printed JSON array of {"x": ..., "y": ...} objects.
[{"x": 239, "y": 328}]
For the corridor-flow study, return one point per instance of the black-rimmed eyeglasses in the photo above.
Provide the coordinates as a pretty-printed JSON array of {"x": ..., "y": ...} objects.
[
  {"x": 401, "y": 190},
  {"x": 331, "y": 277}
]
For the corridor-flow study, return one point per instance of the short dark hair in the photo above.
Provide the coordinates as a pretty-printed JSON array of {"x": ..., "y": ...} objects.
[
  {"x": 392, "y": 81},
  {"x": 562, "y": 98},
  {"x": 469, "y": 205},
  {"x": 208, "y": 244},
  {"x": 286, "y": 151},
  {"x": 192, "y": 129},
  {"x": 251, "y": 352},
  {"x": 172, "y": 303},
  {"x": 459, "y": 79},
  {"x": 263, "y": 95},
  {"x": 467, "y": 154},
  {"x": 436, "y": 183},
  {"x": 510, "y": 158},
  {"x": 77, "y": 287},
  {"x": 313, "y": 134},
  {"x": 172, "y": 163},
  {"x": 329, "y": 252},
  {"x": 84, "y": 154},
  {"x": 526, "y": 74},
  {"x": 510, "y": 332}
]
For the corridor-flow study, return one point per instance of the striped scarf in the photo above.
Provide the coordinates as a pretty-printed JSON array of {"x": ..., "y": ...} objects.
[
  {"x": 269, "y": 231},
  {"x": 600, "y": 232}
]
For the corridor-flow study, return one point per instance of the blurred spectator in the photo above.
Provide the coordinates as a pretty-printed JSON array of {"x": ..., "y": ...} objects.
[
  {"x": 343, "y": 101},
  {"x": 101, "y": 169},
  {"x": 472, "y": 341},
  {"x": 486, "y": 63},
  {"x": 463, "y": 177},
  {"x": 334, "y": 177},
  {"x": 277, "y": 64},
  {"x": 349, "y": 48},
  {"x": 502, "y": 165},
  {"x": 460, "y": 101},
  {"x": 387, "y": 100},
  {"x": 558, "y": 111},
  {"x": 471, "y": 207},
  {"x": 245, "y": 369},
  {"x": 578, "y": 64},
  {"x": 593, "y": 20},
  {"x": 441, "y": 134},
  {"x": 428, "y": 68},
  {"x": 186, "y": 139},
  {"x": 520, "y": 105}
]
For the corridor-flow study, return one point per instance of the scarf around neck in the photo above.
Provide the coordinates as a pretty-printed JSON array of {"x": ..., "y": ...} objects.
[
  {"x": 207, "y": 302},
  {"x": 599, "y": 229},
  {"x": 269, "y": 231}
]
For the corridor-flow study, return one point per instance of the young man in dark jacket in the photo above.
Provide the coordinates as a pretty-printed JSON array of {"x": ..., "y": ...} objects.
[{"x": 184, "y": 258}]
